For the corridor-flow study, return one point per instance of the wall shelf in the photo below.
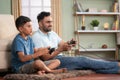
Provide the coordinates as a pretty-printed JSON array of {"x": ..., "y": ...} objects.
[
  {"x": 110, "y": 17},
  {"x": 98, "y": 31},
  {"x": 92, "y": 50},
  {"x": 97, "y": 13}
]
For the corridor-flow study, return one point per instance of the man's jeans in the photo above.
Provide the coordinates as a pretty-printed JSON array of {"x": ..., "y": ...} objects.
[{"x": 83, "y": 63}]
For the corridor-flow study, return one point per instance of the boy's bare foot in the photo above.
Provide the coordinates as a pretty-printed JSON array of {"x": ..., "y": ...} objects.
[
  {"x": 41, "y": 72},
  {"x": 62, "y": 70}
]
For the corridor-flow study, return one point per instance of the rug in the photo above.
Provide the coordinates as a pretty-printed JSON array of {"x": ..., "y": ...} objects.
[{"x": 50, "y": 76}]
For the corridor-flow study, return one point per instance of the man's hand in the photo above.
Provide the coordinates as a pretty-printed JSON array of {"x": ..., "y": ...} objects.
[
  {"x": 64, "y": 47},
  {"x": 72, "y": 42}
]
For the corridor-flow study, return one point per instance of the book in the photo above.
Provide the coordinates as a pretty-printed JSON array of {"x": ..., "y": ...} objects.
[{"x": 78, "y": 6}]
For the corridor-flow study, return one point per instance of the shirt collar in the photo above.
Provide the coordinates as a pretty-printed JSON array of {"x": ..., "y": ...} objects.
[
  {"x": 44, "y": 33},
  {"x": 21, "y": 38}
]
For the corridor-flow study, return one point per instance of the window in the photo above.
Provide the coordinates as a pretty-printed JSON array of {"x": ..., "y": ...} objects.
[{"x": 31, "y": 8}]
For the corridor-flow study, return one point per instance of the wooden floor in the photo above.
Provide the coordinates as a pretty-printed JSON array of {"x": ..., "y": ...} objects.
[
  {"x": 1, "y": 78},
  {"x": 97, "y": 77},
  {"x": 94, "y": 77}
]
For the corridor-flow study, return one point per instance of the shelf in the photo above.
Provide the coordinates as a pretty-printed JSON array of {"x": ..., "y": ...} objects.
[
  {"x": 98, "y": 31},
  {"x": 110, "y": 17},
  {"x": 92, "y": 50},
  {"x": 97, "y": 13}
]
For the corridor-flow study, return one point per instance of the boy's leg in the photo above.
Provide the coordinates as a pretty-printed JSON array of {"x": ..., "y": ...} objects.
[
  {"x": 27, "y": 68},
  {"x": 43, "y": 67},
  {"x": 40, "y": 65},
  {"x": 52, "y": 64},
  {"x": 36, "y": 66}
]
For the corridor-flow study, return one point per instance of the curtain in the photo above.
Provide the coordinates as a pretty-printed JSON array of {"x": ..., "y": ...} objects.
[
  {"x": 56, "y": 15},
  {"x": 16, "y": 8}
]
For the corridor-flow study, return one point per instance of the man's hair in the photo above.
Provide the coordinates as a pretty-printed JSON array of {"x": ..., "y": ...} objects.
[
  {"x": 21, "y": 20},
  {"x": 42, "y": 15}
]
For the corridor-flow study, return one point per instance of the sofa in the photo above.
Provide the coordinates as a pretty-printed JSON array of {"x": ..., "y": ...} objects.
[{"x": 7, "y": 33}]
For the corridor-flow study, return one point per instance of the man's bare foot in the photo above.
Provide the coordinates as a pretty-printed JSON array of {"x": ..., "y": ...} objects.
[{"x": 41, "y": 72}]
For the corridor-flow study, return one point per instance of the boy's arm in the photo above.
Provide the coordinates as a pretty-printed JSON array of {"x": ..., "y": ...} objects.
[
  {"x": 23, "y": 57},
  {"x": 38, "y": 53}
]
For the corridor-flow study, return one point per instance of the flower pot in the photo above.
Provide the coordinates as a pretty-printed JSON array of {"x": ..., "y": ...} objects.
[{"x": 96, "y": 28}]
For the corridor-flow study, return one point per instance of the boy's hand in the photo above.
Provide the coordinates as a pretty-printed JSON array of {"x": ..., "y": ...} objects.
[{"x": 43, "y": 51}]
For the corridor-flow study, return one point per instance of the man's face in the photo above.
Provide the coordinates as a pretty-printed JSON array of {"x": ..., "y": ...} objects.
[{"x": 46, "y": 24}]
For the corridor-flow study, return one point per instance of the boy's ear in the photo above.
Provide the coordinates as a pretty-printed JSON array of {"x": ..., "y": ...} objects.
[{"x": 20, "y": 29}]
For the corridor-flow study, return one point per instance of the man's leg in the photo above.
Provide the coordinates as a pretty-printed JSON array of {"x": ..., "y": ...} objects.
[{"x": 97, "y": 65}]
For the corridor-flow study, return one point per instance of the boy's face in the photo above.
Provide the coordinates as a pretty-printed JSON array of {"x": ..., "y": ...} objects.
[{"x": 26, "y": 28}]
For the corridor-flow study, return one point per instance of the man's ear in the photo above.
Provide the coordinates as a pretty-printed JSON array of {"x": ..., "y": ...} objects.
[{"x": 40, "y": 23}]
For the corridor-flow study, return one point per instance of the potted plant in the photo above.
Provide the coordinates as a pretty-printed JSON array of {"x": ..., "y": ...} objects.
[{"x": 95, "y": 24}]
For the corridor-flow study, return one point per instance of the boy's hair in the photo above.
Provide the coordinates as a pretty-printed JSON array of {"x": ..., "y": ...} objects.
[
  {"x": 42, "y": 15},
  {"x": 21, "y": 20}
]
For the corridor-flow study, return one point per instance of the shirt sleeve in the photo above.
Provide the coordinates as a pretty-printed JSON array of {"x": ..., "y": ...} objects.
[{"x": 19, "y": 46}]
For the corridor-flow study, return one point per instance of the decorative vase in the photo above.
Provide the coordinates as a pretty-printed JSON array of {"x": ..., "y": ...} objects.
[{"x": 83, "y": 27}]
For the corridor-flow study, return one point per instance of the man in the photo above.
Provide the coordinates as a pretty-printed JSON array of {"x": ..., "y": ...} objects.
[{"x": 45, "y": 37}]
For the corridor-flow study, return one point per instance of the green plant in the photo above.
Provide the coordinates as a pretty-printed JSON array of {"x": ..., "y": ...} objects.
[{"x": 95, "y": 23}]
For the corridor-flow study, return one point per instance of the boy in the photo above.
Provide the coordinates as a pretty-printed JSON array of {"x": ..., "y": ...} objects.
[{"x": 24, "y": 53}]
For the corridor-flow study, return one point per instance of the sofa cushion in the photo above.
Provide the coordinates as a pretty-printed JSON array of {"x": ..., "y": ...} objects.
[
  {"x": 5, "y": 44},
  {"x": 5, "y": 60},
  {"x": 69, "y": 74},
  {"x": 7, "y": 27}
]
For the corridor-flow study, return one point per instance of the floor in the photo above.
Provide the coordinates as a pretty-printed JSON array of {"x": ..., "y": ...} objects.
[
  {"x": 94, "y": 77},
  {"x": 1, "y": 78},
  {"x": 97, "y": 77}
]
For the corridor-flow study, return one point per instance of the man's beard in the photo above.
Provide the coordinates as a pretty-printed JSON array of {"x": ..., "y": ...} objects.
[{"x": 46, "y": 30}]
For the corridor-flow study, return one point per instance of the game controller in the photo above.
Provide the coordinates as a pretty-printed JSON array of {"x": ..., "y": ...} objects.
[
  {"x": 71, "y": 42},
  {"x": 51, "y": 50}
]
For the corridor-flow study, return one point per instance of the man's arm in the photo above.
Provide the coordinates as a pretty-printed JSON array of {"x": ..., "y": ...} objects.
[{"x": 63, "y": 46}]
